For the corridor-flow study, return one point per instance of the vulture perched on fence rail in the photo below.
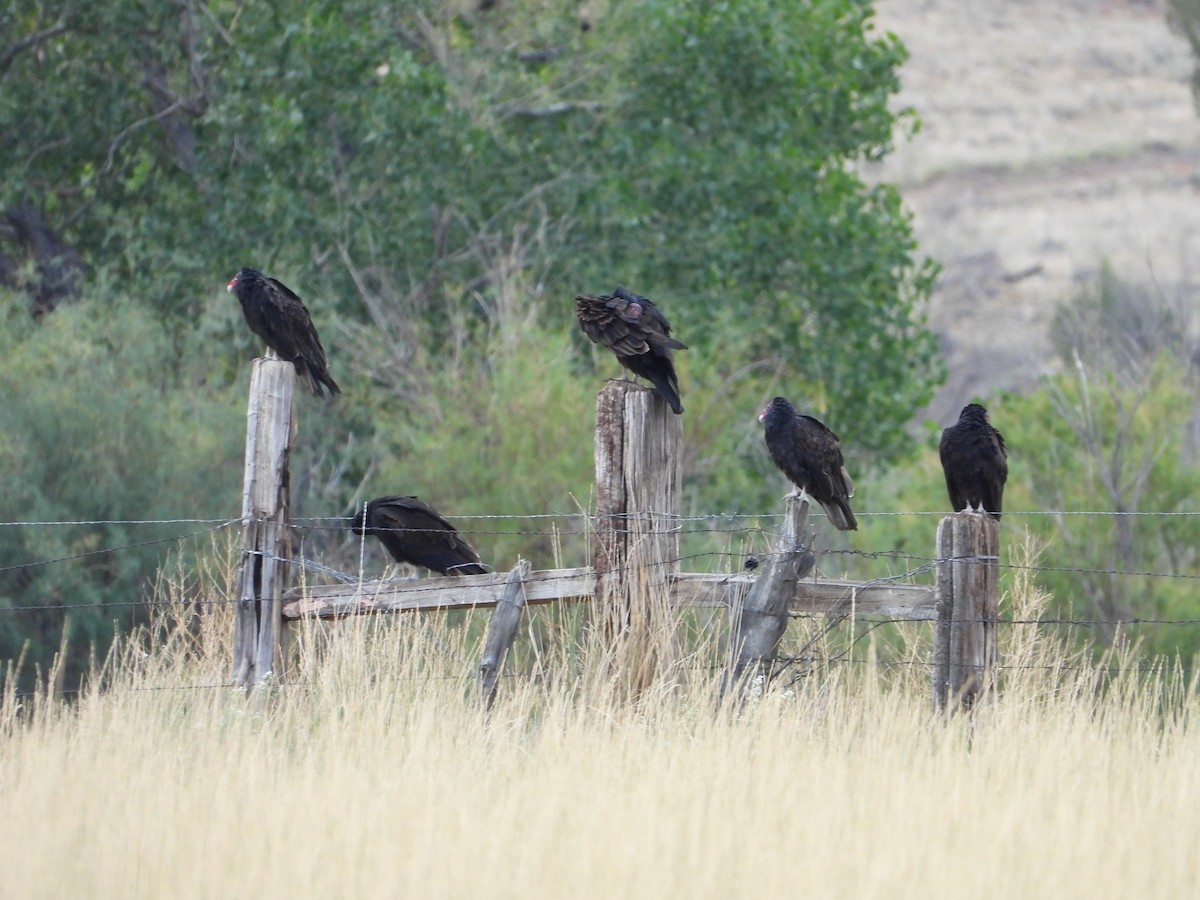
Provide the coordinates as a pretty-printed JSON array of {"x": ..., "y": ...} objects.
[{"x": 413, "y": 532}]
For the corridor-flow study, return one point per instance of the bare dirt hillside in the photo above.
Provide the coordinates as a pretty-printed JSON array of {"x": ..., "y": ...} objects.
[{"x": 1055, "y": 136}]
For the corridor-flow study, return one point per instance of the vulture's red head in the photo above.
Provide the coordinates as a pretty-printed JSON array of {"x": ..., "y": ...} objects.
[{"x": 245, "y": 275}]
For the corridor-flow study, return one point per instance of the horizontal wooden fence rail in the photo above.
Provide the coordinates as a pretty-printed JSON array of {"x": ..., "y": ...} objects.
[
  {"x": 917, "y": 602},
  {"x": 914, "y": 602},
  {"x": 427, "y": 594}
]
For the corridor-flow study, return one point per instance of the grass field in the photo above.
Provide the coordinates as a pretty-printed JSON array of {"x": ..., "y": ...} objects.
[{"x": 374, "y": 773}]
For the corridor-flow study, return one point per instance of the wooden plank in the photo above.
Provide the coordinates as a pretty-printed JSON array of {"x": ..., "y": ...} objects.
[
  {"x": 707, "y": 590},
  {"x": 425, "y": 594},
  {"x": 502, "y": 631},
  {"x": 265, "y": 540},
  {"x": 915, "y": 602}
]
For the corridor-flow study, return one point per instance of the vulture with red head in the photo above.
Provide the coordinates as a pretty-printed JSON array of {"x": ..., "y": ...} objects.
[
  {"x": 280, "y": 318},
  {"x": 633, "y": 328}
]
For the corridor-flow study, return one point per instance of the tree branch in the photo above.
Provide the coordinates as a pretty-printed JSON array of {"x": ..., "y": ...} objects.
[
  {"x": 553, "y": 109},
  {"x": 128, "y": 129},
  {"x": 31, "y": 41}
]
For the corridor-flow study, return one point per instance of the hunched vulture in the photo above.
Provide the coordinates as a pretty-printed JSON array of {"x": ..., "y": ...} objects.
[
  {"x": 413, "y": 532},
  {"x": 633, "y": 328}
]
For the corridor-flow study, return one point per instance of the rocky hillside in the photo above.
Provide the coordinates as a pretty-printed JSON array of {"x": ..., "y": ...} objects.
[{"x": 1055, "y": 136}]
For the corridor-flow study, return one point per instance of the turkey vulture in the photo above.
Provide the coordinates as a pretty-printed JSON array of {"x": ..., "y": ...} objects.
[
  {"x": 810, "y": 455},
  {"x": 975, "y": 462},
  {"x": 413, "y": 532},
  {"x": 633, "y": 328},
  {"x": 279, "y": 317}
]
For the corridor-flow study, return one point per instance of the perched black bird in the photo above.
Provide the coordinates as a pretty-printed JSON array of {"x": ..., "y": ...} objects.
[
  {"x": 975, "y": 462},
  {"x": 633, "y": 328},
  {"x": 279, "y": 317},
  {"x": 811, "y": 456},
  {"x": 413, "y": 532}
]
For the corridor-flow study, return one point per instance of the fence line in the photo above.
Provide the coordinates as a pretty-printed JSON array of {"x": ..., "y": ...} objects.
[
  {"x": 103, "y": 550},
  {"x": 439, "y": 585},
  {"x": 337, "y": 522},
  {"x": 678, "y": 525},
  {"x": 218, "y": 525},
  {"x": 1142, "y": 665}
]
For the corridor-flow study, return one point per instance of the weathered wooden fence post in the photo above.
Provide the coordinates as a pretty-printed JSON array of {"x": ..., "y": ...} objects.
[
  {"x": 968, "y": 601},
  {"x": 638, "y": 470},
  {"x": 502, "y": 630},
  {"x": 266, "y": 542},
  {"x": 759, "y": 625}
]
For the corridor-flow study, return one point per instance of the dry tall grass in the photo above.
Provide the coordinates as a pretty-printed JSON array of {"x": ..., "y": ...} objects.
[{"x": 375, "y": 773}]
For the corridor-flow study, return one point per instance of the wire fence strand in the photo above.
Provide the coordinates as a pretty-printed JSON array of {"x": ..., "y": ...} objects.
[{"x": 915, "y": 565}]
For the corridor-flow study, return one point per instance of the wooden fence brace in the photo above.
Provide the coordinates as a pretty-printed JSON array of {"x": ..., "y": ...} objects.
[
  {"x": 638, "y": 472},
  {"x": 502, "y": 630},
  {"x": 759, "y": 625},
  {"x": 964, "y": 653},
  {"x": 265, "y": 541}
]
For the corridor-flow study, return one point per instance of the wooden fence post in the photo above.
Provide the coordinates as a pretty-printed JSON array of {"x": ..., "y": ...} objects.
[
  {"x": 502, "y": 630},
  {"x": 968, "y": 593},
  {"x": 759, "y": 625},
  {"x": 265, "y": 542},
  {"x": 638, "y": 471}
]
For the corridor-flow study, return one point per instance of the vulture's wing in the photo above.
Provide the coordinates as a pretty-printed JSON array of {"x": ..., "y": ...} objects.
[
  {"x": 414, "y": 532},
  {"x": 295, "y": 324},
  {"x": 628, "y": 328},
  {"x": 601, "y": 320},
  {"x": 822, "y": 451}
]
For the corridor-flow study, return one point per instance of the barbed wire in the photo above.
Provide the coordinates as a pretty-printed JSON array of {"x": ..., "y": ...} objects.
[
  {"x": 413, "y": 586},
  {"x": 587, "y": 521},
  {"x": 1141, "y": 665},
  {"x": 583, "y": 523},
  {"x": 99, "y": 551},
  {"x": 926, "y": 564},
  {"x": 342, "y": 521},
  {"x": 1001, "y": 620},
  {"x": 73, "y": 522}
]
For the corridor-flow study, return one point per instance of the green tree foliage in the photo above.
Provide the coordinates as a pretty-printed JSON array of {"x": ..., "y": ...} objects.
[
  {"x": 1115, "y": 433},
  {"x": 94, "y": 430},
  {"x": 702, "y": 152},
  {"x": 438, "y": 180},
  {"x": 740, "y": 123}
]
